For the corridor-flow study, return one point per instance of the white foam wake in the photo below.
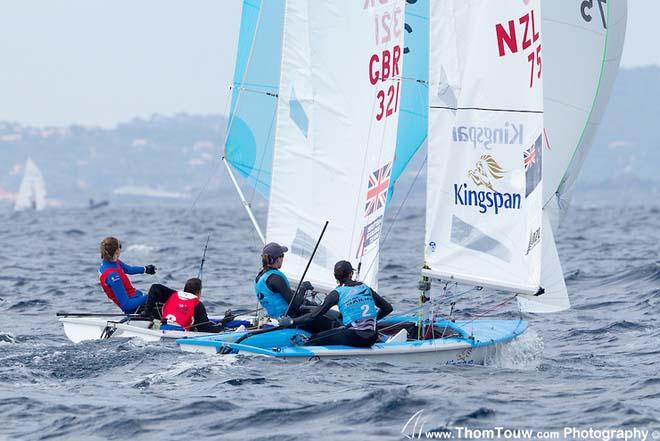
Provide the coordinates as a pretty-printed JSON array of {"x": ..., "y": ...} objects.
[{"x": 525, "y": 352}]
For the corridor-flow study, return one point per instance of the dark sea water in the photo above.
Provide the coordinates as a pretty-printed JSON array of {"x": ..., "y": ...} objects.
[{"x": 595, "y": 365}]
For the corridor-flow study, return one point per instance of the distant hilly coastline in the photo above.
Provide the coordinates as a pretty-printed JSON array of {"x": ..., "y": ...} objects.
[
  {"x": 174, "y": 156},
  {"x": 167, "y": 156}
]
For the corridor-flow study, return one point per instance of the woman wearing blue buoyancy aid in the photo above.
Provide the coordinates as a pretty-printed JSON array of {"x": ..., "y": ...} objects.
[
  {"x": 360, "y": 307},
  {"x": 274, "y": 291},
  {"x": 272, "y": 287}
]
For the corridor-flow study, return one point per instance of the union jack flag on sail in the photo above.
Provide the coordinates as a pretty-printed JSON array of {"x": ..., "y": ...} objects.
[
  {"x": 532, "y": 161},
  {"x": 379, "y": 182}
]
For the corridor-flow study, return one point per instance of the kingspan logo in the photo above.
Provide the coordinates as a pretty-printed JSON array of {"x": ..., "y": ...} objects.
[
  {"x": 486, "y": 136},
  {"x": 486, "y": 172}
]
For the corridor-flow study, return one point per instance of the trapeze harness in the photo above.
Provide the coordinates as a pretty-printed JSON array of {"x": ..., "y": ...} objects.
[
  {"x": 179, "y": 309},
  {"x": 130, "y": 290},
  {"x": 273, "y": 302}
]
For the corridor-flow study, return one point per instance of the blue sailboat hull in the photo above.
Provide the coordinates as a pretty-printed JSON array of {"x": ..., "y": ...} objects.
[{"x": 471, "y": 342}]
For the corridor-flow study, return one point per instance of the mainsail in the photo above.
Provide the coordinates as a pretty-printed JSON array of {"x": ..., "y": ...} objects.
[
  {"x": 251, "y": 128},
  {"x": 335, "y": 133},
  {"x": 484, "y": 190},
  {"x": 32, "y": 192}
]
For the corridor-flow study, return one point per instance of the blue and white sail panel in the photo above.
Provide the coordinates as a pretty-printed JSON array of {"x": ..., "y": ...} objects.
[
  {"x": 485, "y": 154},
  {"x": 583, "y": 42},
  {"x": 413, "y": 118},
  {"x": 251, "y": 127},
  {"x": 337, "y": 118}
]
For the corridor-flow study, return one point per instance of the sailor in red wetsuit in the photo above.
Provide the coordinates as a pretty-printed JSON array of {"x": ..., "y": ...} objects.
[
  {"x": 186, "y": 310},
  {"x": 113, "y": 275}
]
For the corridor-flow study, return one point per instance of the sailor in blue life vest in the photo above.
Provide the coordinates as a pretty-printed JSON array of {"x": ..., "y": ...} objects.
[
  {"x": 274, "y": 292},
  {"x": 113, "y": 275},
  {"x": 360, "y": 307},
  {"x": 184, "y": 309}
]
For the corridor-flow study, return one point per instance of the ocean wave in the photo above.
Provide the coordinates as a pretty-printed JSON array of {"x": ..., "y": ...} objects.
[{"x": 30, "y": 305}]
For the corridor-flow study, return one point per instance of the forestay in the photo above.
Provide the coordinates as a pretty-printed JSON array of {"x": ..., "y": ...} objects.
[
  {"x": 336, "y": 133},
  {"x": 32, "y": 192},
  {"x": 484, "y": 190}
]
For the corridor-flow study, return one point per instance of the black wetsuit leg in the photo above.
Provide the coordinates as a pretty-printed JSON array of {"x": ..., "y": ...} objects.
[
  {"x": 345, "y": 337},
  {"x": 320, "y": 324},
  {"x": 158, "y": 295}
]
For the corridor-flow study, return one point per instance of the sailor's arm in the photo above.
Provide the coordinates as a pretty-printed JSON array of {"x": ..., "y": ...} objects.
[
  {"x": 205, "y": 325},
  {"x": 384, "y": 307},
  {"x": 130, "y": 269},
  {"x": 330, "y": 300},
  {"x": 117, "y": 287}
]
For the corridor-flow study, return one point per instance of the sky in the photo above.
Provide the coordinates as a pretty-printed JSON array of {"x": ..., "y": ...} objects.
[{"x": 97, "y": 62}]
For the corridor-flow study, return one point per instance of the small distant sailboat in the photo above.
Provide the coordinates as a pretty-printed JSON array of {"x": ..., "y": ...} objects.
[{"x": 32, "y": 192}]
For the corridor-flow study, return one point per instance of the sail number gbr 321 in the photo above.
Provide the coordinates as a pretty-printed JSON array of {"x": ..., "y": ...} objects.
[{"x": 385, "y": 68}]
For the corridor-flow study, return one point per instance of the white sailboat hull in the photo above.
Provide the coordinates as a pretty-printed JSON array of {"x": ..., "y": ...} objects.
[{"x": 79, "y": 329}]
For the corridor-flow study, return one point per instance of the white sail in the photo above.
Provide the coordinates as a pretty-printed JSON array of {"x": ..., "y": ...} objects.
[
  {"x": 32, "y": 192},
  {"x": 555, "y": 295},
  {"x": 484, "y": 191},
  {"x": 582, "y": 48},
  {"x": 577, "y": 86},
  {"x": 336, "y": 133}
]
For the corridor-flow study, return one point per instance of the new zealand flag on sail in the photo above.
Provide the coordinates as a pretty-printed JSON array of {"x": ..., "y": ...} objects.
[
  {"x": 532, "y": 161},
  {"x": 379, "y": 182}
]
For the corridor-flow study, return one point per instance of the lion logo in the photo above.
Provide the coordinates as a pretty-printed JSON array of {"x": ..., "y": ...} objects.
[{"x": 487, "y": 169}]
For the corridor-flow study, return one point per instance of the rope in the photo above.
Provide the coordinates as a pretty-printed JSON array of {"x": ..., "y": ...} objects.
[{"x": 491, "y": 309}]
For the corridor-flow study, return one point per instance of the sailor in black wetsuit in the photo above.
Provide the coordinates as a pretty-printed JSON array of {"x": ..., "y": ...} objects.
[
  {"x": 273, "y": 290},
  {"x": 360, "y": 306}
]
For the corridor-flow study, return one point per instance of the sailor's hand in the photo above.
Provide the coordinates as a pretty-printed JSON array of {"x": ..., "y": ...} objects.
[
  {"x": 229, "y": 316},
  {"x": 285, "y": 322},
  {"x": 306, "y": 286},
  {"x": 150, "y": 269}
]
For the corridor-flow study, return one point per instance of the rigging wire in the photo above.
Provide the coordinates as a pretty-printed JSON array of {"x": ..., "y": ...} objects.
[
  {"x": 396, "y": 215},
  {"x": 364, "y": 166}
]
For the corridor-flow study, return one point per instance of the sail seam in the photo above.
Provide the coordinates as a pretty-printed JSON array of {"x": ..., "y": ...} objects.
[{"x": 486, "y": 109}]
